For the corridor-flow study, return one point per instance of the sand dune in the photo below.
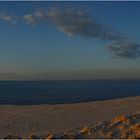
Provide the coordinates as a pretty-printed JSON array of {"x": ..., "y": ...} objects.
[
  {"x": 121, "y": 127},
  {"x": 41, "y": 119}
]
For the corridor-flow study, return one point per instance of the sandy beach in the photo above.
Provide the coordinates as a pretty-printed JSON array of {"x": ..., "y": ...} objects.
[{"x": 39, "y": 119}]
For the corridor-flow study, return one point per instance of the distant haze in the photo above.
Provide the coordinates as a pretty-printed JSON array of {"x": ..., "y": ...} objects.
[{"x": 86, "y": 75}]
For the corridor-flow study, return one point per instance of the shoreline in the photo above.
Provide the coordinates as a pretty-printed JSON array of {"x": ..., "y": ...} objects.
[
  {"x": 69, "y": 103},
  {"x": 39, "y": 119}
]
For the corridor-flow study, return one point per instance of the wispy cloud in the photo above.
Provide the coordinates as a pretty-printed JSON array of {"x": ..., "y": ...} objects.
[
  {"x": 34, "y": 18},
  {"x": 78, "y": 22},
  {"x": 125, "y": 48},
  {"x": 29, "y": 19},
  {"x": 8, "y": 18},
  {"x": 73, "y": 22}
]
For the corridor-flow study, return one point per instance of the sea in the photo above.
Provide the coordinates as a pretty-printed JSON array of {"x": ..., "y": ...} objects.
[{"x": 65, "y": 91}]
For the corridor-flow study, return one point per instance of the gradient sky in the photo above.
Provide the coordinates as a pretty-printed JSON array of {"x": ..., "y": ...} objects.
[{"x": 42, "y": 51}]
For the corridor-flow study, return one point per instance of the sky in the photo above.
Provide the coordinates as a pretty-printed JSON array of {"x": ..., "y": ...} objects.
[{"x": 69, "y": 40}]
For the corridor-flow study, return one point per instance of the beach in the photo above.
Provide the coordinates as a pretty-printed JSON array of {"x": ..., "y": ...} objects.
[{"x": 24, "y": 120}]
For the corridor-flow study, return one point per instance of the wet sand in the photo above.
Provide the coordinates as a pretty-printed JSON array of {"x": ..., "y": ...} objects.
[{"x": 40, "y": 119}]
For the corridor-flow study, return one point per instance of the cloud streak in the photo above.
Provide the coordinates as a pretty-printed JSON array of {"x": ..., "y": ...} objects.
[
  {"x": 29, "y": 19},
  {"x": 125, "y": 49},
  {"x": 73, "y": 22},
  {"x": 8, "y": 18},
  {"x": 77, "y": 22}
]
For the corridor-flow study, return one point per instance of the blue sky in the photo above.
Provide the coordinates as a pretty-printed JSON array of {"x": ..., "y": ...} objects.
[{"x": 52, "y": 46}]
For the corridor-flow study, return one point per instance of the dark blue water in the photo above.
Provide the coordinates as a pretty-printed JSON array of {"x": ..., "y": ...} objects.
[{"x": 54, "y": 92}]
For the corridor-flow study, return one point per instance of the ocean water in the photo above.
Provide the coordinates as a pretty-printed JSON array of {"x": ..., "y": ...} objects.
[{"x": 55, "y": 92}]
